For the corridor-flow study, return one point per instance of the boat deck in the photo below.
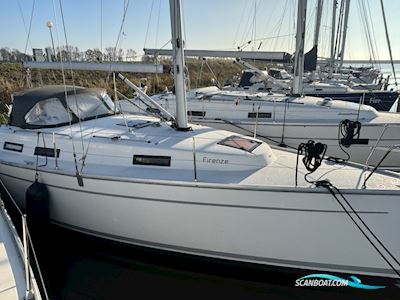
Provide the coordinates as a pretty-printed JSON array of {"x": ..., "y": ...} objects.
[
  {"x": 112, "y": 147},
  {"x": 344, "y": 176}
]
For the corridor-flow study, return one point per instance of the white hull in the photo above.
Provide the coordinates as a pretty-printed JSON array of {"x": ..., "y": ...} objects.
[{"x": 294, "y": 228}]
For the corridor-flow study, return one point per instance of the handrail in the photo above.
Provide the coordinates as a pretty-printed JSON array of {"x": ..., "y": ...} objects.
[
  {"x": 194, "y": 161},
  {"x": 28, "y": 290},
  {"x": 375, "y": 146},
  {"x": 390, "y": 149}
]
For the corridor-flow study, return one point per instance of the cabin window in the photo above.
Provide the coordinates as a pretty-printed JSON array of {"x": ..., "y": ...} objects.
[
  {"x": 260, "y": 115},
  {"x": 13, "y": 146},
  {"x": 88, "y": 106},
  {"x": 47, "y": 112},
  {"x": 49, "y": 152},
  {"x": 239, "y": 142},
  {"x": 152, "y": 160},
  {"x": 196, "y": 113}
]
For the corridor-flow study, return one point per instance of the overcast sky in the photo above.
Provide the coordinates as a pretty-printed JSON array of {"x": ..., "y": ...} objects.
[{"x": 209, "y": 24}]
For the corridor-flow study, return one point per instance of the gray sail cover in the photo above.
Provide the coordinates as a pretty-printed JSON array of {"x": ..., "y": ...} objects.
[{"x": 24, "y": 101}]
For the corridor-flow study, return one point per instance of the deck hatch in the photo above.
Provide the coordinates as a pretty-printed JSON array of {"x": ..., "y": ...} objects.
[
  {"x": 239, "y": 142},
  {"x": 48, "y": 152},
  {"x": 13, "y": 146},
  {"x": 152, "y": 160}
]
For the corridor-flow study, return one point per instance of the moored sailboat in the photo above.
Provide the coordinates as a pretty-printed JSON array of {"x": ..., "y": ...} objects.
[{"x": 186, "y": 188}]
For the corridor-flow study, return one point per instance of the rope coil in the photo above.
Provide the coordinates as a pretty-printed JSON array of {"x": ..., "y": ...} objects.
[{"x": 313, "y": 156}]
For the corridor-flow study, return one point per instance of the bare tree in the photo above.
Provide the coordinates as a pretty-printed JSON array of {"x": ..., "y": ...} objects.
[
  {"x": 98, "y": 55},
  {"x": 109, "y": 54},
  {"x": 130, "y": 55},
  {"x": 89, "y": 55},
  {"x": 120, "y": 56},
  {"x": 13, "y": 55}
]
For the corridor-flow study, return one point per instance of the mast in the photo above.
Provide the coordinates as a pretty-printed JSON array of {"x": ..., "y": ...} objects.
[
  {"x": 297, "y": 88},
  {"x": 344, "y": 34},
  {"x": 389, "y": 47},
  {"x": 179, "y": 65},
  {"x": 317, "y": 30},
  {"x": 332, "y": 60},
  {"x": 318, "y": 16}
]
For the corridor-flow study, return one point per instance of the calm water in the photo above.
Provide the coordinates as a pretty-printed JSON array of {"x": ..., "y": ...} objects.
[{"x": 78, "y": 267}]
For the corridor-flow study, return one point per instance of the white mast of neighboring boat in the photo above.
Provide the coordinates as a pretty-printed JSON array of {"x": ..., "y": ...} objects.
[
  {"x": 299, "y": 56},
  {"x": 178, "y": 57},
  {"x": 318, "y": 16},
  {"x": 389, "y": 46},
  {"x": 344, "y": 34},
  {"x": 317, "y": 29},
  {"x": 332, "y": 59}
]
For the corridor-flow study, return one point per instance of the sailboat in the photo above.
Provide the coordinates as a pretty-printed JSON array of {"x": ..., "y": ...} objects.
[
  {"x": 175, "y": 186},
  {"x": 357, "y": 85},
  {"x": 291, "y": 119},
  {"x": 288, "y": 120},
  {"x": 332, "y": 83}
]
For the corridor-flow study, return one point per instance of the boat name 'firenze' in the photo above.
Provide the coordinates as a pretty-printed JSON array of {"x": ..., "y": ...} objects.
[{"x": 215, "y": 160}]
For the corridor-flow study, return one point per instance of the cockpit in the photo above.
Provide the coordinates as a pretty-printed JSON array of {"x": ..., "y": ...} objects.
[{"x": 58, "y": 106}]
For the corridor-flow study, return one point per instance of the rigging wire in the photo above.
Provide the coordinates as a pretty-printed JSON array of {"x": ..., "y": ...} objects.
[
  {"x": 78, "y": 175},
  {"x": 311, "y": 18},
  {"x": 279, "y": 26},
  {"x": 24, "y": 23},
  {"x": 148, "y": 24},
  {"x": 247, "y": 27},
  {"x": 30, "y": 25},
  {"x": 389, "y": 46},
  {"x": 367, "y": 31},
  {"x": 201, "y": 73},
  {"x": 373, "y": 33},
  {"x": 254, "y": 27},
  {"x": 157, "y": 60},
  {"x": 208, "y": 66},
  {"x": 147, "y": 111},
  {"x": 324, "y": 37},
  {"x": 269, "y": 18},
  {"x": 101, "y": 29},
  {"x": 364, "y": 28},
  {"x": 243, "y": 46},
  {"x": 118, "y": 42},
  {"x": 292, "y": 27},
  {"x": 158, "y": 24},
  {"x": 367, "y": 28},
  {"x": 240, "y": 22},
  {"x": 28, "y": 40},
  {"x": 69, "y": 59}
]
